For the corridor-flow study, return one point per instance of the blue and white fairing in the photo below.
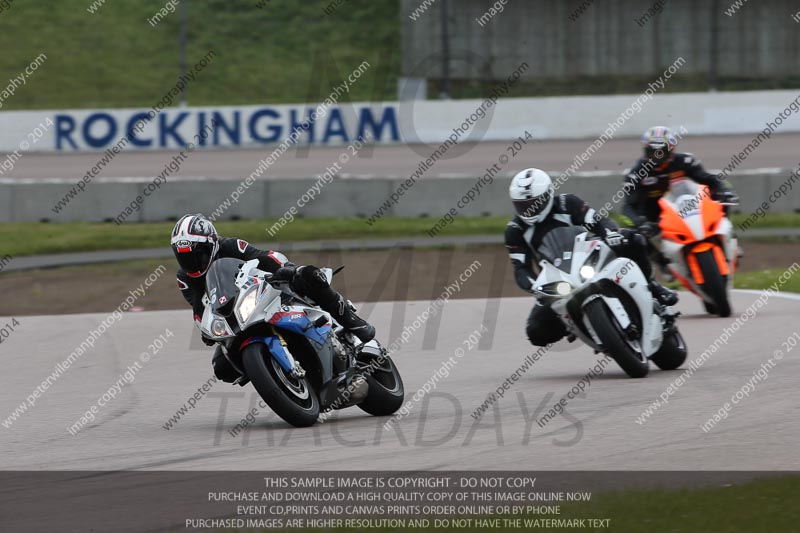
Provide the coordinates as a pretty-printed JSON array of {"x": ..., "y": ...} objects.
[{"x": 256, "y": 304}]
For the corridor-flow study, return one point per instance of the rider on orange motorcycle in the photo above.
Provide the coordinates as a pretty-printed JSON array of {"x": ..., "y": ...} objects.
[{"x": 649, "y": 179}]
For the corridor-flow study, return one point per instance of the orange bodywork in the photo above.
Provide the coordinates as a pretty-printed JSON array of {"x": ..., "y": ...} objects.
[
  {"x": 712, "y": 214},
  {"x": 674, "y": 228}
]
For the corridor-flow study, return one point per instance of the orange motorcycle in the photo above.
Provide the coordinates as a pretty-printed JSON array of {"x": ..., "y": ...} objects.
[{"x": 698, "y": 240}]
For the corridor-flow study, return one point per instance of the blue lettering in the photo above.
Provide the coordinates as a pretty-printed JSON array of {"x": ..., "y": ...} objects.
[
  {"x": 335, "y": 117},
  {"x": 252, "y": 125},
  {"x": 389, "y": 118},
  {"x": 306, "y": 125},
  {"x": 65, "y": 125},
  {"x": 133, "y": 122},
  {"x": 201, "y": 126},
  {"x": 169, "y": 130},
  {"x": 99, "y": 142},
  {"x": 234, "y": 133}
]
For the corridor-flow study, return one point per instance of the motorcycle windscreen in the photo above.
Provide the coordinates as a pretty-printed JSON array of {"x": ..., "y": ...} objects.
[
  {"x": 557, "y": 246},
  {"x": 221, "y": 286}
]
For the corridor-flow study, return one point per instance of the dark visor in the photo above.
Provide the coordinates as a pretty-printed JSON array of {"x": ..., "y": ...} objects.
[
  {"x": 657, "y": 152},
  {"x": 532, "y": 206},
  {"x": 196, "y": 261}
]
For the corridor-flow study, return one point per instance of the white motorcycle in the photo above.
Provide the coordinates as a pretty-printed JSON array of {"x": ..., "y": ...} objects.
[
  {"x": 605, "y": 301},
  {"x": 698, "y": 240}
]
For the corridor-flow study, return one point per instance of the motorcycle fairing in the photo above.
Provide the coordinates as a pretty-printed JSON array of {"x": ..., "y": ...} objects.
[
  {"x": 275, "y": 347},
  {"x": 692, "y": 222},
  {"x": 298, "y": 322}
]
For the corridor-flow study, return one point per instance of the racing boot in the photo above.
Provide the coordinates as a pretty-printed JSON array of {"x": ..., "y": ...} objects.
[
  {"x": 311, "y": 281},
  {"x": 663, "y": 295},
  {"x": 345, "y": 314}
]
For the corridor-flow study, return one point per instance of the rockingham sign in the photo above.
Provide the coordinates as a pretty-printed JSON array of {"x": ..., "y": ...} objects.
[
  {"x": 412, "y": 122},
  {"x": 241, "y": 126},
  {"x": 174, "y": 128}
]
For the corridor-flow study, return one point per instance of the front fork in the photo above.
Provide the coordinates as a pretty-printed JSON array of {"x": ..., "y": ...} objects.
[{"x": 279, "y": 349}]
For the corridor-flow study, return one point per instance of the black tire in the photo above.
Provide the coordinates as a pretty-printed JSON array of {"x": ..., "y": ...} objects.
[
  {"x": 386, "y": 391},
  {"x": 710, "y": 309},
  {"x": 672, "y": 353},
  {"x": 262, "y": 369},
  {"x": 714, "y": 284},
  {"x": 612, "y": 337}
]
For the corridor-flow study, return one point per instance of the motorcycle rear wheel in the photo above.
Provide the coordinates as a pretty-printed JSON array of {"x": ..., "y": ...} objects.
[
  {"x": 672, "y": 353},
  {"x": 386, "y": 391}
]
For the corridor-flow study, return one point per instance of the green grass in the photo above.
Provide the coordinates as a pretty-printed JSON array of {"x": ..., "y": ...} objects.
[
  {"x": 772, "y": 220},
  {"x": 21, "y": 239},
  {"x": 286, "y": 52},
  {"x": 762, "y": 505},
  {"x": 763, "y": 279}
]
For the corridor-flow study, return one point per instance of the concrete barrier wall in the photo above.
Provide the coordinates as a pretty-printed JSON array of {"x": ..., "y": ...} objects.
[
  {"x": 31, "y": 201},
  {"x": 427, "y": 121}
]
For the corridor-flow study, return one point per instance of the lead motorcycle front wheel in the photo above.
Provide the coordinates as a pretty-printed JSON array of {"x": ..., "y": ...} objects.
[{"x": 292, "y": 399}]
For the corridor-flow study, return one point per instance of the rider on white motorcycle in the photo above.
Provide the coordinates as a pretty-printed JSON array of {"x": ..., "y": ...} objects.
[
  {"x": 539, "y": 211},
  {"x": 196, "y": 243}
]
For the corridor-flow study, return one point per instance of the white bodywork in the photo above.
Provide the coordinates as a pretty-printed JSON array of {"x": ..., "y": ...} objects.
[{"x": 621, "y": 271}]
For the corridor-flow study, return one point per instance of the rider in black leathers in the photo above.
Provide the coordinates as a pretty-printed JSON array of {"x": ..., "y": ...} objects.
[
  {"x": 649, "y": 179},
  {"x": 196, "y": 244},
  {"x": 539, "y": 211}
]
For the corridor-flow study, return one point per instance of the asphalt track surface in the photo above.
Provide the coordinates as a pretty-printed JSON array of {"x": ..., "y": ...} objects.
[
  {"x": 597, "y": 432},
  {"x": 400, "y": 161}
]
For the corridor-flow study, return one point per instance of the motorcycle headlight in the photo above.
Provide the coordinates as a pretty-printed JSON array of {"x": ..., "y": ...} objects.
[
  {"x": 563, "y": 288},
  {"x": 247, "y": 306},
  {"x": 219, "y": 327},
  {"x": 557, "y": 288},
  {"x": 587, "y": 272}
]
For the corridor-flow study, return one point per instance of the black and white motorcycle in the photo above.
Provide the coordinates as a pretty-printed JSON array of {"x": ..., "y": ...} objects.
[
  {"x": 605, "y": 301},
  {"x": 298, "y": 358}
]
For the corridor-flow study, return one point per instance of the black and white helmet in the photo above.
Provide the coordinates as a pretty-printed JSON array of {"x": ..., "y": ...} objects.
[
  {"x": 195, "y": 243},
  {"x": 532, "y": 194}
]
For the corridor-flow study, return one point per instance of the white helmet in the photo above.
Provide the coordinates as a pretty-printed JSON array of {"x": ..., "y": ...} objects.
[{"x": 532, "y": 194}]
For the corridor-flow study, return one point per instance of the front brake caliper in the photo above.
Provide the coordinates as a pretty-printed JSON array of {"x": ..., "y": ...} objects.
[{"x": 297, "y": 372}]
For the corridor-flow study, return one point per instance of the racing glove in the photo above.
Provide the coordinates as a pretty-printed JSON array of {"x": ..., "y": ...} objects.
[
  {"x": 649, "y": 229},
  {"x": 286, "y": 272},
  {"x": 725, "y": 196}
]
